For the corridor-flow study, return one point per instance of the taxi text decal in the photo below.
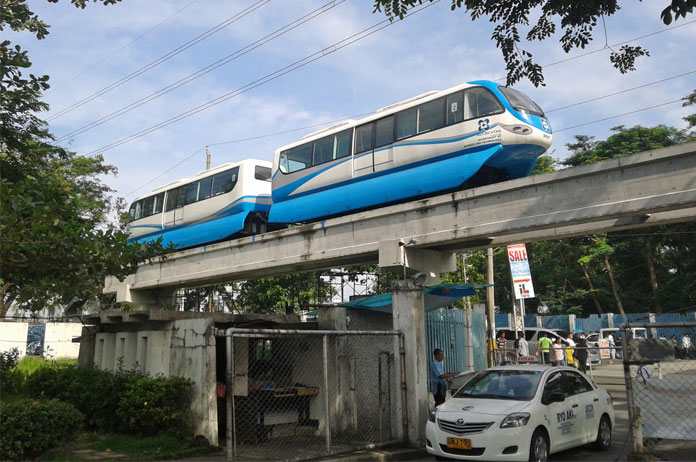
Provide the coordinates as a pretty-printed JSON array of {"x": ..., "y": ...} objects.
[{"x": 565, "y": 419}]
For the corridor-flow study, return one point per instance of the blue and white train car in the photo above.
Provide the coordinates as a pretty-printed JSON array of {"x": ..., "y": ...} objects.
[
  {"x": 230, "y": 200},
  {"x": 472, "y": 134}
]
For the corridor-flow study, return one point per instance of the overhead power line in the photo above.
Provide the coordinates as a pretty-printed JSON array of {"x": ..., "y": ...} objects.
[
  {"x": 619, "y": 115},
  {"x": 200, "y": 73},
  {"x": 110, "y": 55},
  {"x": 268, "y": 77},
  {"x": 162, "y": 59}
]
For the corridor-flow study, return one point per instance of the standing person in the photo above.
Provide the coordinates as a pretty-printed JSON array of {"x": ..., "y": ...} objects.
[
  {"x": 570, "y": 349},
  {"x": 438, "y": 376},
  {"x": 501, "y": 343},
  {"x": 612, "y": 346},
  {"x": 544, "y": 347},
  {"x": 687, "y": 347},
  {"x": 558, "y": 353},
  {"x": 581, "y": 354},
  {"x": 522, "y": 345}
]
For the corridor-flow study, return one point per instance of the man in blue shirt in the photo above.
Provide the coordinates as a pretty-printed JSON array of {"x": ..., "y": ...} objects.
[{"x": 438, "y": 383}]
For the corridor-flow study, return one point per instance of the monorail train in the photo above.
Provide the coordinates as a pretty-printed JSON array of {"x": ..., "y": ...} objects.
[
  {"x": 469, "y": 135},
  {"x": 217, "y": 204},
  {"x": 472, "y": 134}
]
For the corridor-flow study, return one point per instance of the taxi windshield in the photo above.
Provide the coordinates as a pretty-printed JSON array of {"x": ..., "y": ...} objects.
[{"x": 517, "y": 385}]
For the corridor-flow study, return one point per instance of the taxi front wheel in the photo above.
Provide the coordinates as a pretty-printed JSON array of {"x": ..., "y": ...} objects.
[
  {"x": 603, "y": 441},
  {"x": 539, "y": 449}
]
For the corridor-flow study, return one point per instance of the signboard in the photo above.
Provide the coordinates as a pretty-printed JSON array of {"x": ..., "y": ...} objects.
[{"x": 519, "y": 268}]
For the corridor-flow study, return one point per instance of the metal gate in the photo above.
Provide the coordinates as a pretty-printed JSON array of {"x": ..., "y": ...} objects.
[
  {"x": 295, "y": 395},
  {"x": 660, "y": 377}
]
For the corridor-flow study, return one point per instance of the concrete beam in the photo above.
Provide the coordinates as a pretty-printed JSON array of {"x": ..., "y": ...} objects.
[{"x": 649, "y": 188}]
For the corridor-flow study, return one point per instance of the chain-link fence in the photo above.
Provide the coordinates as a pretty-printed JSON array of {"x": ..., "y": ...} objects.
[
  {"x": 302, "y": 394},
  {"x": 660, "y": 376}
]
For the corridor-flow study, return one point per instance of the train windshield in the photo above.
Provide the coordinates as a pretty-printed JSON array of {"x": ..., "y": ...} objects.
[{"x": 521, "y": 102}]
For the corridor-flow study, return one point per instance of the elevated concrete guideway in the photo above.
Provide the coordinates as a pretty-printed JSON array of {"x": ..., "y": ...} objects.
[{"x": 649, "y": 188}]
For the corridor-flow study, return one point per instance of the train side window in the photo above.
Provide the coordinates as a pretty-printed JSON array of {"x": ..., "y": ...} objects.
[
  {"x": 363, "y": 138},
  {"x": 431, "y": 116},
  {"x": 323, "y": 150},
  {"x": 384, "y": 132},
  {"x": 148, "y": 206},
  {"x": 262, "y": 173},
  {"x": 455, "y": 108},
  {"x": 205, "y": 188},
  {"x": 406, "y": 123},
  {"x": 479, "y": 102},
  {"x": 342, "y": 144},
  {"x": 131, "y": 211},
  {"x": 171, "y": 200},
  {"x": 224, "y": 182},
  {"x": 190, "y": 193},
  {"x": 159, "y": 199},
  {"x": 180, "y": 196},
  {"x": 296, "y": 158}
]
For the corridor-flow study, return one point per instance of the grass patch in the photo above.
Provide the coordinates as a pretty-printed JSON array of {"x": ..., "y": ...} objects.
[
  {"x": 161, "y": 447},
  {"x": 29, "y": 364}
]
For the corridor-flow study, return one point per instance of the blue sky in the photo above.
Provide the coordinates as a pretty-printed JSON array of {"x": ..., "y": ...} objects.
[{"x": 89, "y": 50}]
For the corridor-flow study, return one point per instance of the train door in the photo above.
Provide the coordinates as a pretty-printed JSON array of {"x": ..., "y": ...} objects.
[
  {"x": 174, "y": 210},
  {"x": 364, "y": 154}
]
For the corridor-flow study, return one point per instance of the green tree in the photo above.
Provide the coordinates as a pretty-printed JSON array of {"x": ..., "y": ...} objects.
[
  {"x": 57, "y": 242},
  {"x": 577, "y": 19}
]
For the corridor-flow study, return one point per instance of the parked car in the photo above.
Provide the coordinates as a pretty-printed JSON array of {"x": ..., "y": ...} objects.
[{"x": 520, "y": 413}]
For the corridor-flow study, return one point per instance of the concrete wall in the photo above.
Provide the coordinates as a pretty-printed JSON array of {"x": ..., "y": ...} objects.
[
  {"x": 183, "y": 348},
  {"x": 14, "y": 335},
  {"x": 57, "y": 338}
]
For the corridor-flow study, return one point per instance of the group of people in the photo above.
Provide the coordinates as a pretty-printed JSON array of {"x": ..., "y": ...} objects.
[{"x": 571, "y": 353}]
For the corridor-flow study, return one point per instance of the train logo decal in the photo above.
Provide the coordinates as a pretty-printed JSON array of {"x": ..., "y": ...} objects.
[
  {"x": 545, "y": 125},
  {"x": 483, "y": 125}
]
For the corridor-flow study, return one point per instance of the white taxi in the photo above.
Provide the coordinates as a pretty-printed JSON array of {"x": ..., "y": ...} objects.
[{"x": 520, "y": 413}]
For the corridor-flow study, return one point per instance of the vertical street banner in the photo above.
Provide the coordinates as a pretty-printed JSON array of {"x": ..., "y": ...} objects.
[{"x": 519, "y": 268}]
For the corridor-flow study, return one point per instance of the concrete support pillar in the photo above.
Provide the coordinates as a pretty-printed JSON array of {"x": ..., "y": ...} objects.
[
  {"x": 571, "y": 322},
  {"x": 161, "y": 298},
  {"x": 610, "y": 320},
  {"x": 409, "y": 318}
]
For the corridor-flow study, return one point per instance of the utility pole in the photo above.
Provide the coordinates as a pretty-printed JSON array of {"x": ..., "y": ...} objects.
[
  {"x": 490, "y": 306},
  {"x": 207, "y": 158}
]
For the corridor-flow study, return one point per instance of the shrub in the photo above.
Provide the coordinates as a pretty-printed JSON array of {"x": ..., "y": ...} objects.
[
  {"x": 31, "y": 427},
  {"x": 9, "y": 359},
  {"x": 12, "y": 380},
  {"x": 95, "y": 393},
  {"x": 153, "y": 406}
]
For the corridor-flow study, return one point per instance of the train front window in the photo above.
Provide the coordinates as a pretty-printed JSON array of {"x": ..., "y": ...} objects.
[
  {"x": 479, "y": 102},
  {"x": 224, "y": 182},
  {"x": 159, "y": 201},
  {"x": 131, "y": 212},
  {"x": 296, "y": 158},
  {"x": 521, "y": 102}
]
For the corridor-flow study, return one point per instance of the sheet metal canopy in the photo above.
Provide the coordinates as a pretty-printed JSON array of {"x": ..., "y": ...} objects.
[{"x": 435, "y": 297}]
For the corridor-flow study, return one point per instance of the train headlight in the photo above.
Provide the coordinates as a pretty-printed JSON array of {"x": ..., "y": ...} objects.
[{"x": 518, "y": 129}]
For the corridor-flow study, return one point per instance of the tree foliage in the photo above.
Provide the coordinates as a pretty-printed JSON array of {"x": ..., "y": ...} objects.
[
  {"x": 574, "y": 20},
  {"x": 57, "y": 239}
]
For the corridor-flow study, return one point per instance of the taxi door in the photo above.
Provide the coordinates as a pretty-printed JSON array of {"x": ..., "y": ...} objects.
[
  {"x": 589, "y": 407},
  {"x": 562, "y": 418}
]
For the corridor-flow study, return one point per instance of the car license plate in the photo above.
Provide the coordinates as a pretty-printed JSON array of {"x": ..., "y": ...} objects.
[{"x": 458, "y": 443}]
